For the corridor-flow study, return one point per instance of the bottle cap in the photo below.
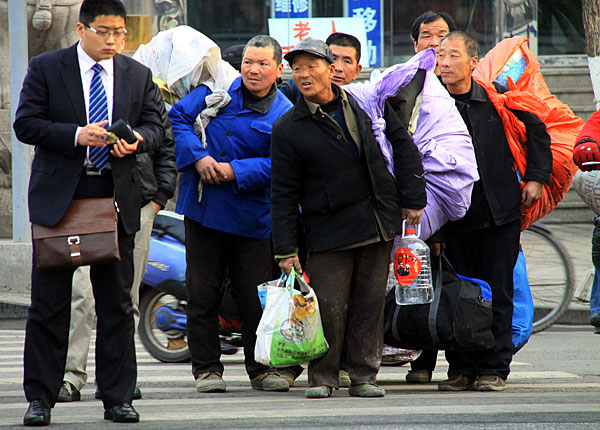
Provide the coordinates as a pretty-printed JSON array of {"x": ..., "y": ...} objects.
[{"x": 411, "y": 230}]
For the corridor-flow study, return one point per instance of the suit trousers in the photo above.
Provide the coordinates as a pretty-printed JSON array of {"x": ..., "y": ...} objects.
[
  {"x": 350, "y": 286},
  {"x": 209, "y": 253},
  {"x": 47, "y": 330},
  {"x": 82, "y": 302},
  {"x": 489, "y": 254}
]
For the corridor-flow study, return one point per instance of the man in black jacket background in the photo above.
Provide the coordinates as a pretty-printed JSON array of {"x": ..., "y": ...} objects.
[
  {"x": 325, "y": 159},
  {"x": 157, "y": 179},
  {"x": 485, "y": 243}
]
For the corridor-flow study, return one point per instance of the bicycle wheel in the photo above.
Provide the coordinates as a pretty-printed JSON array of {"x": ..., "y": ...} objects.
[{"x": 550, "y": 273}]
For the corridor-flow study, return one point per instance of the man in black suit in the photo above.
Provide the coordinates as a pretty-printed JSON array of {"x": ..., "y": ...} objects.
[{"x": 53, "y": 115}]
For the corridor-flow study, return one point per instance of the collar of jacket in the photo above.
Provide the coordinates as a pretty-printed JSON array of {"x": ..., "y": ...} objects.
[
  {"x": 305, "y": 108},
  {"x": 314, "y": 107},
  {"x": 261, "y": 106},
  {"x": 478, "y": 93}
]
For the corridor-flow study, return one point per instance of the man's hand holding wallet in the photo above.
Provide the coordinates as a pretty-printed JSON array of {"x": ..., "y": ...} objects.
[{"x": 122, "y": 138}]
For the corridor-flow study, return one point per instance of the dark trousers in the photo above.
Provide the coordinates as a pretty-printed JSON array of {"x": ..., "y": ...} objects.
[
  {"x": 350, "y": 287},
  {"x": 426, "y": 361},
  {"x": 47, "y": 330},
  {"x": 208, "y": 253},
  {"x": 488, "y": 254}
]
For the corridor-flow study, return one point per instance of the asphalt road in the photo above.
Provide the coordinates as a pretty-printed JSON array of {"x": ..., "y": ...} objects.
[{"x": 554, "y": 384}]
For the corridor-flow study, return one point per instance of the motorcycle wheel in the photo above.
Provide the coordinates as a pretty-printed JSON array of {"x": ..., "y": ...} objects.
[{"x": 167, "y": 346}]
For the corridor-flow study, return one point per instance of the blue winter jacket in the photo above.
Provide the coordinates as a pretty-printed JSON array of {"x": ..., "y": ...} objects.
[{"x": 241, "y": 137}]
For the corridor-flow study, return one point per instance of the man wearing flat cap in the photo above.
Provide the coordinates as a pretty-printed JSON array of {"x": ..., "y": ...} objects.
[{"x": 325, "y": 158}]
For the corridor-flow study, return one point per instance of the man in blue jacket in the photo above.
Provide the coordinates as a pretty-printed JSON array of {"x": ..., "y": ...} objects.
[{"x": 227, "y": 224}]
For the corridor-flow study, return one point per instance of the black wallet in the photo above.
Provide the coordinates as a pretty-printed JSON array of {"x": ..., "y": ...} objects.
[{"x": 122, "y": 130}]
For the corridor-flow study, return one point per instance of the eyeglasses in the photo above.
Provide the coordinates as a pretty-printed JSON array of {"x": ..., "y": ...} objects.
[{"x": 106, "y": 34}]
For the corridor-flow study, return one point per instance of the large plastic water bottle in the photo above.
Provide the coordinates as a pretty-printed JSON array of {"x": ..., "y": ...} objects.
[{"x": 412, "y": 268}]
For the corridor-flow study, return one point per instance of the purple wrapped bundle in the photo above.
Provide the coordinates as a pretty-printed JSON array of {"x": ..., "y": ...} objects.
[{"x": 441, "y": 137}]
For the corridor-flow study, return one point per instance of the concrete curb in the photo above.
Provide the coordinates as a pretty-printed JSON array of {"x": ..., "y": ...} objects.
[{"x": 12, "y": 311}]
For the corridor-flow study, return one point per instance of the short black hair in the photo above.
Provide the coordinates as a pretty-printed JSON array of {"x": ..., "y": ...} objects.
[
  {"x": 90, "y": 9},
  {"x": 471, "y": 44},
  {"x": 263, "y": 41},
  {"x": 428, "y": 17},
  {"x": 343, "y": 39},
  {"x": 233, "y": 55}
]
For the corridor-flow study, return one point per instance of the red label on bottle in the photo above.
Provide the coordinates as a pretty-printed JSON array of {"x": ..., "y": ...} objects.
[{"x": 406, "y": 266}]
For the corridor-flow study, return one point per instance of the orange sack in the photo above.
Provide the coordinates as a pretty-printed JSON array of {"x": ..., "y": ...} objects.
[{"x": 512, "y": 64}]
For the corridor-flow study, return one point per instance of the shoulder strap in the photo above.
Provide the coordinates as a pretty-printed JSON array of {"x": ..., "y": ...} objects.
[{"x": 435, "y": 304}]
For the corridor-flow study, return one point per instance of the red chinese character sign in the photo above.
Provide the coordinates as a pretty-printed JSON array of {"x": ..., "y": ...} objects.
[{"x": 290, "y": 32}]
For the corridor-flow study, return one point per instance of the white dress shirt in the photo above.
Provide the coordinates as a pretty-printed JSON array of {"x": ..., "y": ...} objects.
[{"x": 107, "y": 75}]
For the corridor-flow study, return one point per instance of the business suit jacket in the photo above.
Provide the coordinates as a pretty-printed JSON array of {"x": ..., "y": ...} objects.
[{"x": 52, "y": 106}]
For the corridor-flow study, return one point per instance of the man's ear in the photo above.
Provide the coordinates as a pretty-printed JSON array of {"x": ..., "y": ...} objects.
[{"x": 474, "y": 62}]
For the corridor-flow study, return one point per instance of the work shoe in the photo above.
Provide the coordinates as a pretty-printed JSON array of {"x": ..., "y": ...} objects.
[
  {"x": 366, "y": 390},
  {"x": 458, "y": 383},
  {"x": 210, "y": 382},
  {"x": 418, "y": 376},
  {"x": 288, "y": 375},
  {"x": 269, "y": 381},
  {"x": 491, "y": 383},
  {"x": 319, "y": 392},
  {"x": 68, "y": 393},
  {"x": 344, "y": 379}
]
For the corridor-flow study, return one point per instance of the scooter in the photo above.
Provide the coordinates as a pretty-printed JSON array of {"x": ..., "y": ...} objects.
[{"x": 163, "y": 319}]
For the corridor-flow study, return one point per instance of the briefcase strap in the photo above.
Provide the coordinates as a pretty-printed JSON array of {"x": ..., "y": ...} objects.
[{"x": 435, "y": 304}]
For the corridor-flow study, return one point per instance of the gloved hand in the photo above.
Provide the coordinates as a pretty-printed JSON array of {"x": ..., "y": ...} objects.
[{"x": 586, "y": 155}]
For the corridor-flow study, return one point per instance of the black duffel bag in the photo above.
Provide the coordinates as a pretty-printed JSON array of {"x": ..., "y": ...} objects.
[{"x": 458, "y": 318}]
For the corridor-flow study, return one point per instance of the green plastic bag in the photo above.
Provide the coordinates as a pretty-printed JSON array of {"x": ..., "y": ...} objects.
[{"x": 290, "y": 331}]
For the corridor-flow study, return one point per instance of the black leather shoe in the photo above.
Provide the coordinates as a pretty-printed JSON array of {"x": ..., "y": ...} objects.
[
  {"x": 37, "y": 414},
  {"x": 137, "y": 394},
  {"x": 122, "y": 413}
]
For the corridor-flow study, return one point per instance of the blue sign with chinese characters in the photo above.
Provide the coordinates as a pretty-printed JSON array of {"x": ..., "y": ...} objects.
[
  {"x": 291, "y": 8},
  {"x": 371, "y": 12}
]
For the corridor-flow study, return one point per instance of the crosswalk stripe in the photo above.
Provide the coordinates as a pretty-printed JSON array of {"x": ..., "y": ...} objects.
[{"x": 170, "y": 395}]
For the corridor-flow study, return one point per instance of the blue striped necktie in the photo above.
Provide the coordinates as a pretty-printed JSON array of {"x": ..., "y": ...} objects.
[{"x": 98, "y": 111}]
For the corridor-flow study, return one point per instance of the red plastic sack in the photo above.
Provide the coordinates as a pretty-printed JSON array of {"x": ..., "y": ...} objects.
[{"x": 530, "y": 93}]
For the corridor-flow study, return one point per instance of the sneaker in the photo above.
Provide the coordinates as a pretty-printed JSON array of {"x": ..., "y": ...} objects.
[
  {"x": 68, "y": 393},
  {"x": 491, "y": 383},
  {"x": 288, "y": 375},
  {"x": 418, "y": 376},
  {"x": 269, "y": 381},
  {"x": 458, "y": 383},
  {"x": 366, "y": 390},
  {"x": 344, "y": 379},
  {"x": 210, "y": 382},
  {"x": 319, "y": 392}
]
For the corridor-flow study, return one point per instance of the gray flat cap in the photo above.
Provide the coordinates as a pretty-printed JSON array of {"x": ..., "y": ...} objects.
[{"x": 312, "y": 46}]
